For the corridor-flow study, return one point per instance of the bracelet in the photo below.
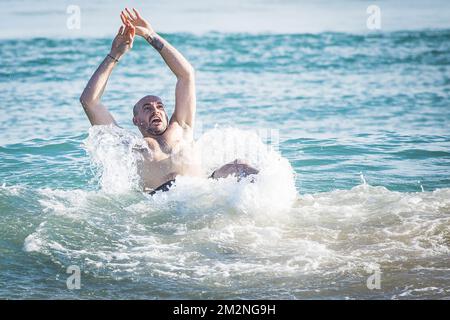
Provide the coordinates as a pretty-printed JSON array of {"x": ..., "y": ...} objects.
[{"x": 115, "y": 60}]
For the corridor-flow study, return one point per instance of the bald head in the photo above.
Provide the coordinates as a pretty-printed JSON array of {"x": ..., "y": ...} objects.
[{"x": 146, "y": 100}]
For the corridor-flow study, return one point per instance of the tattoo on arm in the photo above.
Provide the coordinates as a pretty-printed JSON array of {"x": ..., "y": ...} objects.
[{"x": 155, "y": 42}]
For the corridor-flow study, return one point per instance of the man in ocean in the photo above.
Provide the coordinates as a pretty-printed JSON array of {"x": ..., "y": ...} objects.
[{"x": 170, "y": 141}]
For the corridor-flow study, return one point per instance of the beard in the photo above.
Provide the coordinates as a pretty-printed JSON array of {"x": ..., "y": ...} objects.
[{"x": 159, "y": 129}]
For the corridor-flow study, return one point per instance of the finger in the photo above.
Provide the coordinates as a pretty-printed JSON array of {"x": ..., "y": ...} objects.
[
  {"x": 126, "y": 20},
  {"x": 129, "y": 24},
  {"x": 131, "y": 30},
  {"x": 127, "y": 28},
  {"x": 123, "y": 18},
  {"x": 120, "y": 31},
  {"x": 137, "y": 13},
  {"x": 130, "y": 37},
  {"x": 130, "y": 15}
]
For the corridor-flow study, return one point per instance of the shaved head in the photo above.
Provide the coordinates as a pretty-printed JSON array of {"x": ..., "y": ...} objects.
[{"x": 145, "y": 100}]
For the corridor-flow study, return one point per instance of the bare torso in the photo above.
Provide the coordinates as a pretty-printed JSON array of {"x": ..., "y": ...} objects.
[{"x": 174, "y": 153}]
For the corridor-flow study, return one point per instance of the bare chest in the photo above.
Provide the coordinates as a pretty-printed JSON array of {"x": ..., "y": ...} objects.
[{"x": 168, "y": 158}]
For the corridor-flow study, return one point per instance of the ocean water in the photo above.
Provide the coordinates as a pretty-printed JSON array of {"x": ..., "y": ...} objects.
[{"x": 350, "y": 131}]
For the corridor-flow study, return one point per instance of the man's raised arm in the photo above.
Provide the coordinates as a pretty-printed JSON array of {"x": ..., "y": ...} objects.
[
  {"x": 185, "y": 100},
  {"x": 90, "y": 99}
]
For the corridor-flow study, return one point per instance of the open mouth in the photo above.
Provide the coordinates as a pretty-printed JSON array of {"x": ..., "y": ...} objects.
[{"x": 156, "y": 121}]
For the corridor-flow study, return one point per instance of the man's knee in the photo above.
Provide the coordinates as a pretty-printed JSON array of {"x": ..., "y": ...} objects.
[
  {"x": 246, "y": 169},
  {"x": 239, "y": 168}
]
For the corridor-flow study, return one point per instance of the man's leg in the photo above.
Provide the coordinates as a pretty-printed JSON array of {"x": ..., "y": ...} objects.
[{"x": 239, "y": 168}]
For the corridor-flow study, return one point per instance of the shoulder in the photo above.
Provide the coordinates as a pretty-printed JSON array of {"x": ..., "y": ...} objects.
[
  {"x": 180, "y": 129},
  {"x": 178, "y": 123}
]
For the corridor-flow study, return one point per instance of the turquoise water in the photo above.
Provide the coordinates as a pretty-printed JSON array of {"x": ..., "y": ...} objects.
[{"x": 363, "y": 182}]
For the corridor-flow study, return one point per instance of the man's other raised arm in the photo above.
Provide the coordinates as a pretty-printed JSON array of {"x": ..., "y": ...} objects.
[
  {"x": 90, "y": 99},
  {"x": 185, "y": 100}
]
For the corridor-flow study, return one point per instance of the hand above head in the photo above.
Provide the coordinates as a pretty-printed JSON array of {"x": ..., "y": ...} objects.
[
  {"x": 143, "y": 27},
  {"x": 123, "y": 41}
]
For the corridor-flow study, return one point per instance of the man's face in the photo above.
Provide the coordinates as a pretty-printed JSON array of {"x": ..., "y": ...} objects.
[{"x": 150, "y": 116}]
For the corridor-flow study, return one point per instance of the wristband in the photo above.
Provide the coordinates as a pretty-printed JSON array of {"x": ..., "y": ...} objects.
[{"x": 115, "y": 60}]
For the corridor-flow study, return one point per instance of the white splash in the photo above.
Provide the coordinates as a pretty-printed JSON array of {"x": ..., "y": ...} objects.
[
  {"x": 213, "y": 233},
  {"x": 111, "y": 150}
]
